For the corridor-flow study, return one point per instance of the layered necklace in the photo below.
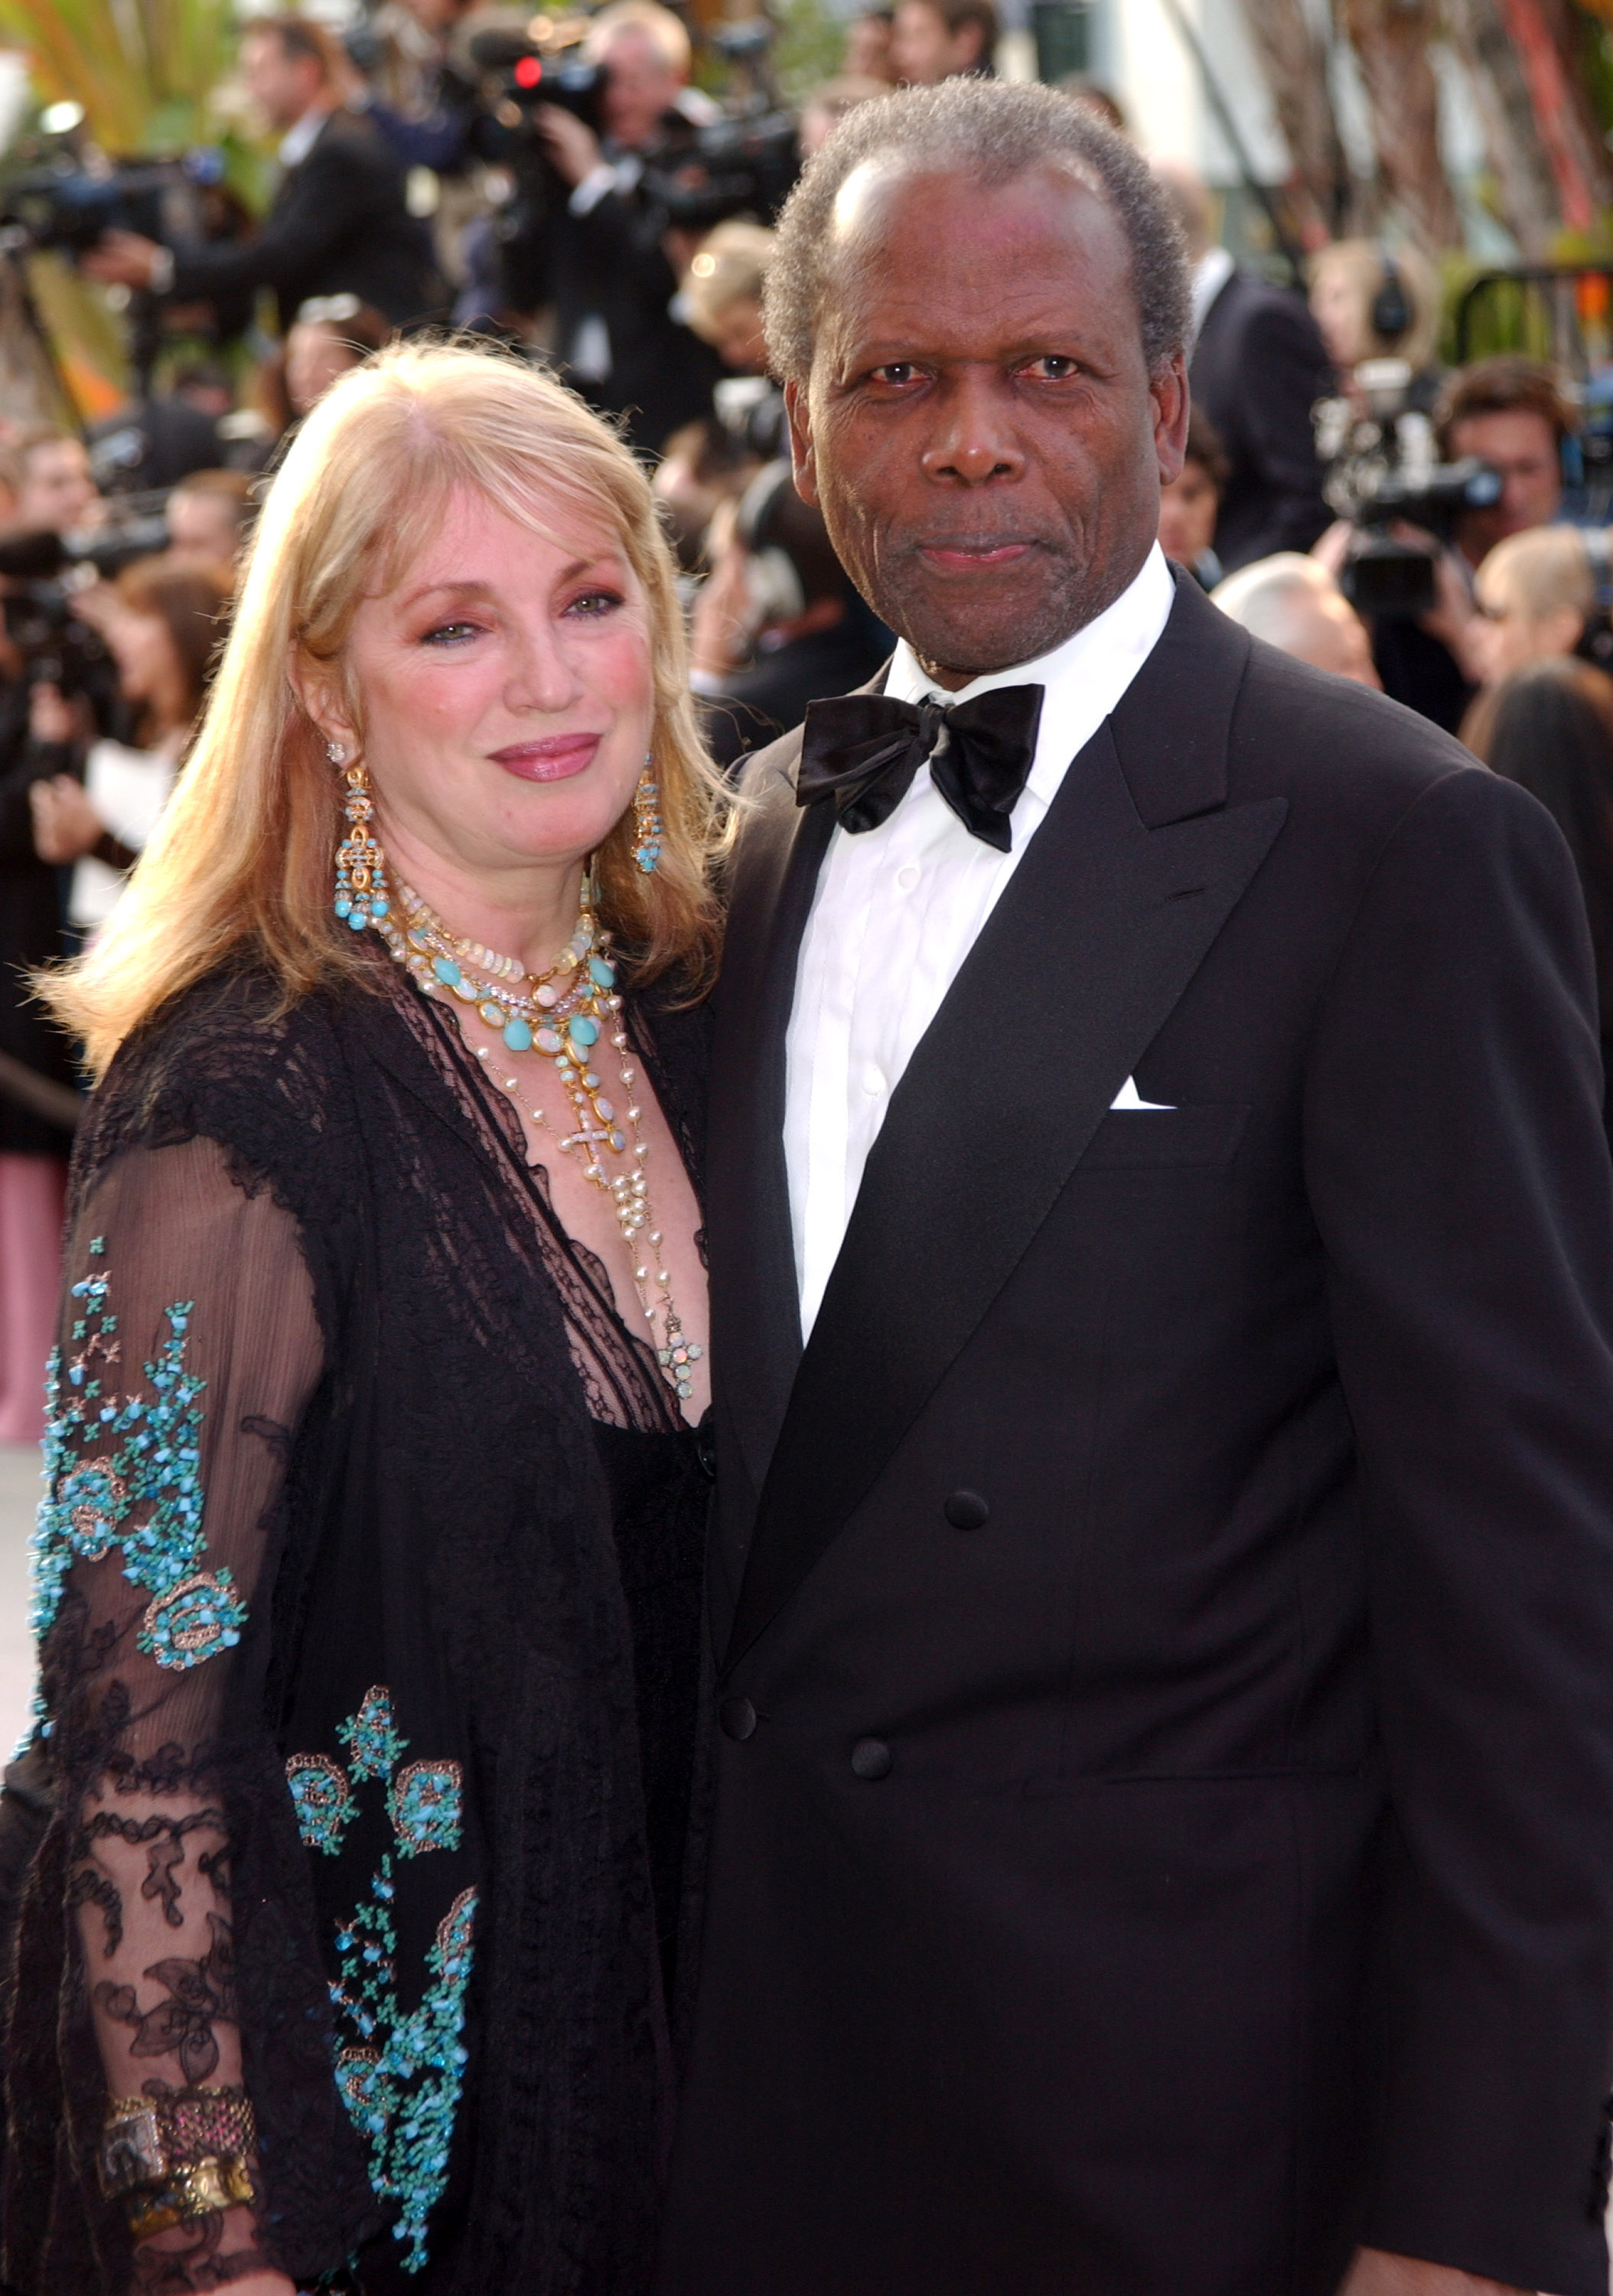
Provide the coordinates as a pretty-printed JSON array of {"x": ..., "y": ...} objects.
[{"x": 564, "y": 1016}]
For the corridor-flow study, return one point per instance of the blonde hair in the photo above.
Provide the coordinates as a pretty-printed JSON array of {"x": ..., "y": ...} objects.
[
  {"x": 729, "y": 267},
  {"x": 1358, "y": 263},
  {"x": 1538, "y": 572},
  {"x": 664, "y": 30},
  {"x": 240, "y": 865}
]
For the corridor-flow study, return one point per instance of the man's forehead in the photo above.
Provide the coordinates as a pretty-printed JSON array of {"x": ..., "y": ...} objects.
[{"x": 869, "y": 190}]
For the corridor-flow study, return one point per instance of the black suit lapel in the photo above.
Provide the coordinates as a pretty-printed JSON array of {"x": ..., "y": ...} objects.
[{"x": 1102, "y": 926}]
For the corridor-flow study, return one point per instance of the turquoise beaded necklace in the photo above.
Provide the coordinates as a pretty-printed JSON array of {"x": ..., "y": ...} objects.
[{"x": 562, "y": 1015}]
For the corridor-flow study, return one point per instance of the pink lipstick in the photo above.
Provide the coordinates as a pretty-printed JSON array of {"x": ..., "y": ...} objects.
[{"x": 556, "y": 758}]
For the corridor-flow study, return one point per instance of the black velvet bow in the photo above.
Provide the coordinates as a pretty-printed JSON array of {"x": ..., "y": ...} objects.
[{"x": 863, "y": 751}]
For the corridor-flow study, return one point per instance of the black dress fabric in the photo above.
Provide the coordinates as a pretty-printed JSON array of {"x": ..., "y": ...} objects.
[{"x": 372, "y": 1550}]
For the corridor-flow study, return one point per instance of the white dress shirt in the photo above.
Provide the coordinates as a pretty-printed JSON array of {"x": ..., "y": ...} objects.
[{"x": 897, "y": 910}]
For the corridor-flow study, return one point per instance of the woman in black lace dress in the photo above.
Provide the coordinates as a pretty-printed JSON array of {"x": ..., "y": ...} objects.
[{"x": 368, "y": 1577}]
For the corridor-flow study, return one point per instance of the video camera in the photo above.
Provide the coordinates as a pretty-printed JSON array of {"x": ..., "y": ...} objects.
[
  {"x": 58, "y": 649},
  {"x": 1382, "y": 473},
  {"x": 744, "y": 163},
  {"x": 69, "y": 207}
]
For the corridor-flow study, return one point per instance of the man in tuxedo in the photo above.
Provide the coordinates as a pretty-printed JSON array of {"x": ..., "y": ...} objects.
[
  {"x": 1258, "y": 367},
  {"x": 339, "y": 224},
  {"x": 1162, "y": 1265}
]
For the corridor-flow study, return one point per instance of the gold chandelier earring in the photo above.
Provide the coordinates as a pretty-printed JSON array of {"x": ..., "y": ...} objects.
[{"x": 360, "y": 873}]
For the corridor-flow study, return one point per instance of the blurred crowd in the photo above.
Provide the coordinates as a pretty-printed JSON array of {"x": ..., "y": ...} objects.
[{"x": 565, "y": 187}]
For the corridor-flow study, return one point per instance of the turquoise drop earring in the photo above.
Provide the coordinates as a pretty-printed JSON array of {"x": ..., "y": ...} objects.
[
  {"x": 361, "y": 871},
  {"x": 647, "y": 820}
]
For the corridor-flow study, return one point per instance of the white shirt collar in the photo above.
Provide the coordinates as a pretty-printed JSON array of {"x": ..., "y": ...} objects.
[
  {"x": 1210, "y": 274},
  {"x": 297, "y": 142},
  {"x": 1082, "y": 679}
]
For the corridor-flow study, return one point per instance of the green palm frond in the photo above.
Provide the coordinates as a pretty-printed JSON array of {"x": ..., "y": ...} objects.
[{"x": 142, "y": 69}]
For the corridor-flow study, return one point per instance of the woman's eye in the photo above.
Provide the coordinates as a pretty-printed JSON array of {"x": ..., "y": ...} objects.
[
  {"x": 593, "y": 604},
  {"x": 449, "y": 634}
]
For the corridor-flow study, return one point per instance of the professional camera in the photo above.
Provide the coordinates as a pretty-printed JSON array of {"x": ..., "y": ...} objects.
[
  {"x": 59, "y": 649},
  {"x": 68, "y": 206},
  {"x": 1382, "y": 473},
  {"x": 746, "y": 162}
]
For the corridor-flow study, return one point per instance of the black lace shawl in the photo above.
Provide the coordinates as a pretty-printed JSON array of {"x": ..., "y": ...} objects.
[{"x": 315, "y": 1284}]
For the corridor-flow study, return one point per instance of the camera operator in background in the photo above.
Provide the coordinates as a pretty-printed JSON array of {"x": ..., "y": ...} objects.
[
  {"x": 46, "y": 481},
  {"x": 95, "y": 803},
  {"x": 1438, "y": 494},
  {"x": 778, "y": 624},
  {"x": 339, "y": 224},
  {"x": 599, "y": 255}
]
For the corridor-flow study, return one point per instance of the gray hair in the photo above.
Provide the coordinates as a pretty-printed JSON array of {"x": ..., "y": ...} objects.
[{"x": 991, "y": 131}]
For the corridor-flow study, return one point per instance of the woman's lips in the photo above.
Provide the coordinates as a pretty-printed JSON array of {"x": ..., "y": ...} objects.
[{"x": 558, "y": 759}]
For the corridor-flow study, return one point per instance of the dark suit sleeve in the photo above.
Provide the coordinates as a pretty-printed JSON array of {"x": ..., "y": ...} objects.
[
  {"x": 1284, "y": 371},
  {"x": 314, "y": 213},
  {"x": 1459, "y": 1179}
]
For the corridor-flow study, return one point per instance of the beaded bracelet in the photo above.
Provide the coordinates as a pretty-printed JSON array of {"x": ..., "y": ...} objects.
[{"x": 176, "y": 2156}]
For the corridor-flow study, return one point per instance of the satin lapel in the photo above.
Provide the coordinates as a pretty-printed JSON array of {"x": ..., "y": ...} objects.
[
  {"x": 1101, "y": 928},
  {"x": 755, "y": 1301}
]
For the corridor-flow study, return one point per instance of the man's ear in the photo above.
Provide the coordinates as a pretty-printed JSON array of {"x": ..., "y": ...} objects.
[
  {"x": 801, "y": 443},
  {"x": 1167, "y": 388}
]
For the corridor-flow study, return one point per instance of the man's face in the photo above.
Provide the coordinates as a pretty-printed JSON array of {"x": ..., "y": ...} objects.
[
  {"x": 924, "y": 51},
  {"x": 979, "y": 429},
  {"x": 1523, "y": 447},
  {"x": 58, "y": 491},
  {"x": 639, "y": 89},
  {"x": 283, "y": 86}
]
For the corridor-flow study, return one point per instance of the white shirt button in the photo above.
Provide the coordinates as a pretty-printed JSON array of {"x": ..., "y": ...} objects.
[
  {"x": 873, "y": 1079},
  {"x": 907, "y": 876}
]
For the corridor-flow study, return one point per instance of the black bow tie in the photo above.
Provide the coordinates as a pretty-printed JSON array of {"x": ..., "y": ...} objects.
[{"x": 864, "y": 750}]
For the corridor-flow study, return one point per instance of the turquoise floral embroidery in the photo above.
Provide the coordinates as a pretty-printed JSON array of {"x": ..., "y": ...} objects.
[
  {"x": 400, "y": 2071},
  {"x": 323, "y": 1800},
  {"x": 125, "y": 1472},
  {"x": 424, "y": 1807}
]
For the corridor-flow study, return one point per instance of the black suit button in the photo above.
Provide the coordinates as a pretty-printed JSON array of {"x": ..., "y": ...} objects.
[
  {"x": 966, "y": 1509},
  {"x": 738, "y": 1719},
  {"x": 705, "y": 1452},
  {"x": 871, "y": 1758}
]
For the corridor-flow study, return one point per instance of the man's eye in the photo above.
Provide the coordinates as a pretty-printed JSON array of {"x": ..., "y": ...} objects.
[
  {"x": 1053, "y": 367},
  {"x": 897, "y": 372}
]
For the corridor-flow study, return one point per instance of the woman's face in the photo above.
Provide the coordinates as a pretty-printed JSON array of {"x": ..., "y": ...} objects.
[
  {"x": 149, "y": 670},
  {"x": 739, "y": 337},
  {"x": 506, "y": 691}
]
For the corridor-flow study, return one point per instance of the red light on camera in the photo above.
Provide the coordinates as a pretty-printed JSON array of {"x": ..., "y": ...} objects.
[{"x": 528, "y": 71}]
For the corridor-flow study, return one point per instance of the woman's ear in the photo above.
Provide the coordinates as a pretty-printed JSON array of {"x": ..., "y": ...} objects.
[{"x": 321, "y": 701}]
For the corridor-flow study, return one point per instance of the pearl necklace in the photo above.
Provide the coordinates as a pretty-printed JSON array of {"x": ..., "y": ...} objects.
[{"x": 560, "y": 1015}]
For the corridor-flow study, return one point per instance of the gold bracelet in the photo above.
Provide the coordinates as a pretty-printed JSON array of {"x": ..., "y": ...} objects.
[
  {"x": 148, "y": 2140},
  {"x": 206, "y": 2188}
]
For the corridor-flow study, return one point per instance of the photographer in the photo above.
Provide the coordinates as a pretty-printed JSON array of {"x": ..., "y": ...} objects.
[
  {"x": 599, "y": 257},
  {"x": 47, "y": 474},
  {"x": 162, "y": 626},
  {"x": 339, "y": 224}
]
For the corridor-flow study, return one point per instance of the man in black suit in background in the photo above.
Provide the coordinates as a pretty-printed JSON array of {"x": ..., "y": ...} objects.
[
  {"x": 1162, "y": 1273},
  {"x": 339, "y": 224},
  {"x": 1258, "y": 367}
]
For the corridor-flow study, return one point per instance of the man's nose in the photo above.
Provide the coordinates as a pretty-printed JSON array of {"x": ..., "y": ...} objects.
[{"x": 974, "y": 438}]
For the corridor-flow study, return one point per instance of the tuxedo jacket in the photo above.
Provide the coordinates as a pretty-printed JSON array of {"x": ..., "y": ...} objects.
[
  {"x": 1163, "y": 1821},
  {"x": 1259, "y": 367},
  {"x": 339, "y": 224}
]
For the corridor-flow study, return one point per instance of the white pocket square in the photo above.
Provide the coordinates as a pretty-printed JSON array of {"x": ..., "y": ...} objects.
[{"x": 1128, "y": 1096}]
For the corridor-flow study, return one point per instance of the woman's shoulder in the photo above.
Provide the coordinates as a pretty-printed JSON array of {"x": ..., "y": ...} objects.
[{"x": 232, "y": 1057}]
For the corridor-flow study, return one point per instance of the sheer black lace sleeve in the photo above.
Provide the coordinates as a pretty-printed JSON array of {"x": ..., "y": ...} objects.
[{"x": 188, "y": 1350}]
